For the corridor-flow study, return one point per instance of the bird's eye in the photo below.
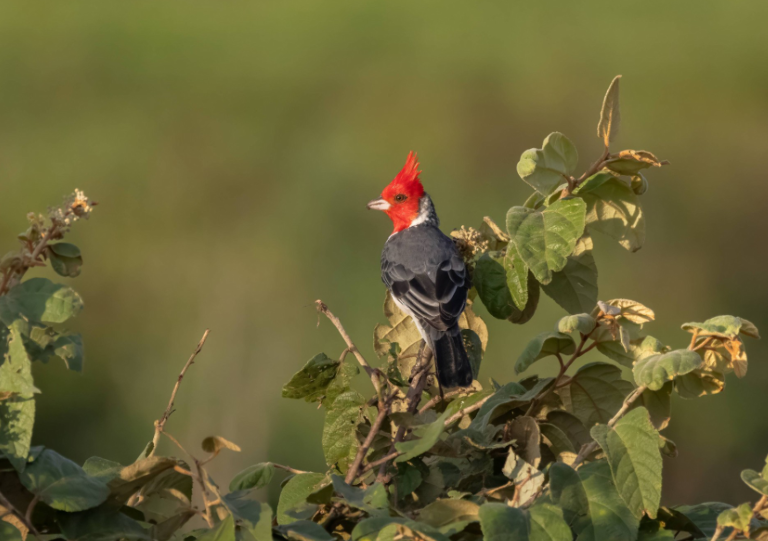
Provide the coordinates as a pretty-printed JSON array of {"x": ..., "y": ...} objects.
[{"x": 401, "y": 197}]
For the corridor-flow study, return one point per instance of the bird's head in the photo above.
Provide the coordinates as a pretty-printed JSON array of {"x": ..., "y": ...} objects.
[{"x": 402, "y": 197}]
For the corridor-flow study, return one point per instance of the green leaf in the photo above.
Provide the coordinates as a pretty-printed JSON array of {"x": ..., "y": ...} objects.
[
  {"x": 591, "y": 503},
  {"x": 699, "y": 383},
  {"x": 632, "y": 449},
  {"x": 368, "y": 529},
  {"x": 65, "y": 259},
  {"x": 610, "y": 114},
  {"x": 575, "y": 287},
  {"x": 490, "y": 280},
  {"x": 442, "y": 513},
  {"x": 16, "y": 369},
  {"x": 341, "y": 383},
  {"x": 596, "y": 392},
  {"x": 102, "y": 469},
  {"x": 704, "y": 516},
  {"x": 654, "y": 371},
  {"x": 613, "y": 209},
  {"x": 164, "y": 530},
  {"x": 582, "y": 323},
  {"x": 100, "y": 524},
  {"x": 340, "y": 429},
  {"x": 658, "y": 405},
  {"x": 17, "y": 419},
  {"x": 510, "y": 395},
  {"x": 544, "y": 239},
  {"x": 520, "y": 317},
  {"x": 311, "y": 382},
  {"x": 517, "y": 276},
  {"x": 9, "y": 532},
  {"x": 224, "y": 531},
  {"x": 544, "y": 169},
  {"x": 756, "y": 481},
  {"x": 304, "y": 530},
  {"x": 251, "y": 515},
  {"x": 293, "y": 497},
  {"x": 373, "y": 500},
  {"x": 749, "y": 329},
  {"x": 727, "y": 327},
  {"x": 256, "y": 476},
  {"x": 62, "y": 484},
  {"x": 474, "y": 348},
  {"x": 427, "y": 437},
  {"x": 571, "y": 426},
  {"x": 39, "y": 299},
  {"x": 636, "y": 350},
  {"x": 544, "y": 345},
  {"x": 543, "y": 522},
  {"x": 738, "y": 517},
  {"x": 558, "y": 440}
]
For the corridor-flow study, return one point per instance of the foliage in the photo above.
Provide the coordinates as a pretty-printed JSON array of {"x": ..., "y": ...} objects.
[{"x": 575, "y": 456}]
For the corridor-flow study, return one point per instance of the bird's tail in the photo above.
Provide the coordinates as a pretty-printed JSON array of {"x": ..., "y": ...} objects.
[{"x": 451, "y": 361}]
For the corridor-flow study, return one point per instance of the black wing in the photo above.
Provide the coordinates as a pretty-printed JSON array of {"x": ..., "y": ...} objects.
[{"x": 435, "y": 292}]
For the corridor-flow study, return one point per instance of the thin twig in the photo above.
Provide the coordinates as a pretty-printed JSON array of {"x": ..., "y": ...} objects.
[
  {"x": 372, "y": 372},
  {"x": 19, "y": 515},
  {"x": 288, "y": 469},
  {"x": 588, "y": 449},
  {"x": 469, "y": 409},
  {"x": 412, "y": 398},
  {"x": 160, "y": 424},
  {"x": 30, "y": 509},
  {"x": 363, "y": 450},
  {"x": 435, "y": 400}
]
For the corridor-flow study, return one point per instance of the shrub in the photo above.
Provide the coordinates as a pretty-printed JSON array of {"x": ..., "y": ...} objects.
[{"x": 575, "y": 456}]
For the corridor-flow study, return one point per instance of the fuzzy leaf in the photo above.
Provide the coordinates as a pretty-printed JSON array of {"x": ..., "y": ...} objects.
[
  {"x": 582, "y": 323},
  {"x": 62, "y": 484},
  {"x": 215, "y": 444},
  {"x": 632, "y": 449},
  {"x": 596, "y": 392},
  {"x": 544, "y": 169},
  {"x": 490, "y": 280},
  {"x": 544, "y": 239},
  {"x": 340, "y": 428},
  {"x": 575, "y": 287},
  {"x": 613, "y": 209},
  {"x": 39, "y": 299},
  {"x": 654, "y": 371},
  {"x": 517, "y": 276},
  {"x": 311, "y": 382},
  {"x": 544, "y": 345},
  {"x": 591, "y": 503},
  {"x": 631, "y": 162},
  {"x": 426, "y": 437},
  {"x": 293, "y": 497},
  {"x": 256, "y": 476}
]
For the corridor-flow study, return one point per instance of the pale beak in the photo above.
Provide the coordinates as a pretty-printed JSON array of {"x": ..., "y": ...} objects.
[{"x": 379, "y": 204}]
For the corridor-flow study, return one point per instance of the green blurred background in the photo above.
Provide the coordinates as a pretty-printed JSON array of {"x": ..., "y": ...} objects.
[{"x": 232, "y": 147}]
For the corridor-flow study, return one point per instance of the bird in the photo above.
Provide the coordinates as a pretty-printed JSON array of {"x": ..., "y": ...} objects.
[{"x": 425, "y": 273}]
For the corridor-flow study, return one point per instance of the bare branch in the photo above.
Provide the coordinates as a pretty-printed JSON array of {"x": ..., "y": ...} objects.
[
  {"x": 160, "y": 424},
  {"x": 19, "y": 515},
  {"x": 372, "y": 372}
]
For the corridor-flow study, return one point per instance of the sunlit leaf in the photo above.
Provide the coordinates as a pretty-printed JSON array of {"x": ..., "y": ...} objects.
[
  {"x": 544, "y": 169},
  {"x": 655, "y": 370},
  {"x": 311, "y": 381},
  {"x": 544, "y": 239},
  {"x": 544, "y": 345},
  {"x": 632, "y": 449},
  {"x": 39, "y": 299},
  {"x": 574, "y": 288},
  {"x": 613, "y": 209}
]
